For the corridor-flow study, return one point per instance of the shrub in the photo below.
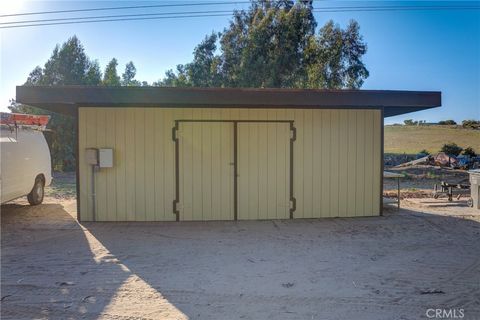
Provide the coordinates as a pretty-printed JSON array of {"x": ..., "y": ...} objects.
[
  {"x": 447, "y": 122},
  {"x": 469, "y": 152},
  {"x": 410, "y": 122},
  {"x": 451, "y": 149},
  {"x": 425, "y": 152},
  {"x": 471, "y": 124},
  {"x": 432, "y": 175}
]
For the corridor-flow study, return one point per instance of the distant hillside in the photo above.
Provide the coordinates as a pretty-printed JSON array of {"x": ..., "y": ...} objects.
[{"x": 412, "y": 139}]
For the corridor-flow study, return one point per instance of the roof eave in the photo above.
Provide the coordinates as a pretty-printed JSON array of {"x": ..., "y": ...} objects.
[{"x": 65, "y": 99}]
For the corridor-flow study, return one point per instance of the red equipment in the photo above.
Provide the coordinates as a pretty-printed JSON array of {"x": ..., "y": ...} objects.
[{"x": 18, "y": 119}]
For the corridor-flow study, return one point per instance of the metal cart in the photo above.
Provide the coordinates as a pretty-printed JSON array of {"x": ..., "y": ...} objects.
[{"x": 393, "y": 175}]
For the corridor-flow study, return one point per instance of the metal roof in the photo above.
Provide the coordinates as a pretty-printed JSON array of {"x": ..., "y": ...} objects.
[{"x": 66, "y": 99}]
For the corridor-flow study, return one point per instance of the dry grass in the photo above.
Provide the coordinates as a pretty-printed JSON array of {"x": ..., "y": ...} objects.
[{"x": 412, "y": 139}]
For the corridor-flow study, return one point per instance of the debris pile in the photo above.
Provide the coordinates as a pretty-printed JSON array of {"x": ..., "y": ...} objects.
[{"x": 442, "y": 159}]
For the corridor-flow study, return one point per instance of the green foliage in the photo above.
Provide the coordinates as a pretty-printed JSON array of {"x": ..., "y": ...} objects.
[
  {"x": 128, "y": 77},
  {"x": 68, "y": 65},
  {"x": 110, "y": 76},
  {"x": 432, "y": 175},
  {"x": 274, "y": 44},
  {"x": 447, "y": 122},
  {"x": 335, "y": 58},
  {"x": 425, "y": 152},
  {"x": 469, "y": 152},
  {"x": 452, "y": 149},
  {"x": 471, "y": 124},
  {"x": 410, "y": 122},
  {"x": 94, "y": 74}
]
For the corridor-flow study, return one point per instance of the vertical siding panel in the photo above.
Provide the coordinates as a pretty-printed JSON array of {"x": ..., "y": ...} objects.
[
  {"x": 101, "y": 175},
  {"x": 149, "y": 164},
  {"x": 334, "y": 158},
  {"x": 308, "y": 164},
  {"x": 262, "y": 135},
  {"x": 111, "y": 178},
  {"x": 377, "y": 168},
  {"x": 169, "y": 164},
  {"x": 120, "y": 164},
  {"x": 84, "y": 169},
  {"x": 168, "y": 178},
  {"x": 184, "y": 171},
  {"x": 186, "y": 166},
  {"x": 282, "y": 139},
  {"x": 289, "y": 115},
  {"x": 253, "y": 164},
  {"x": 175, "y": 114},
  {"x": 360, "y": 164},
  {"x": 233, "y": 114},
  {"x": 253, "y": 186},
  {"x": 91, "y": 121},
  {"x": 368, "y": 182},
  {"x": 326, "y": 165},
  {"x": 159, "y": 165},
  {"x": 217, "y": 165},
  {"x": 92, "y": 143},
  {"x": 226, "y": 142},
  {"x": 197, "y": 203},
  {"x": 298, "y": 168},
  {"x": 130, "y": 163},
  {"x": 272, "y": 166},
  {"x": 343, "y": 163},
  {"x": 139, "y": 125},
  {"x": 351, "y": 163},
  {"x": 243, "y": 165},
  {"x": 317, "y": 163},
  {"x": 207, "y": 165}
]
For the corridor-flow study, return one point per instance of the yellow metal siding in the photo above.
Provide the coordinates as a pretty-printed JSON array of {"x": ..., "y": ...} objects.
[
  {"x": 204, "y": 169},
  {"x": 84, "y": 172},
  {"x": 119, "y": 162},
  {"x": 337, "y": 164},
  {"x": 260, "y": 168}
]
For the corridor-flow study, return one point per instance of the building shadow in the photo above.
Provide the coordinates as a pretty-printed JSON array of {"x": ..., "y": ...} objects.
[
  {"x": 363, "y": 268},
  {"x": 54, "y": 268}
]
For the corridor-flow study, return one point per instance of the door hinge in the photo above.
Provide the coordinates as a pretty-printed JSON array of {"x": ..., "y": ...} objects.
[
  {"x": 293, "y": 133},
  {"x": 293, "y": 206},
  {"x": 176, "y": 210},
  {"x": 175, "y": 132}
]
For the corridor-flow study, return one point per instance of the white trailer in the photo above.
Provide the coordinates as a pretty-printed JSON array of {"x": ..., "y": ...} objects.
[{"x": 25, "y": 157}]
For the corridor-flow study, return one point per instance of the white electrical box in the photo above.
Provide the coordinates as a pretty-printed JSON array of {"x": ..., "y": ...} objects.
[
  {"x": 105, "y": 157},
  {"x": 91, "y": 156}
]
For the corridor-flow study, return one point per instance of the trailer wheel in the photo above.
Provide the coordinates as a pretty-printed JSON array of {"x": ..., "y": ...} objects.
[
  {"x": 470, "y": 202},
  {"x": 35, "y": 197}
]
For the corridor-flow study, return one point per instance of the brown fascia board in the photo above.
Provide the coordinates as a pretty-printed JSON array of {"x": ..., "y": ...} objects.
[{"x": 65, "y": 99}]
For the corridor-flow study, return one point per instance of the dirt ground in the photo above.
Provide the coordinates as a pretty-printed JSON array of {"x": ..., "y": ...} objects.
[{"x": 426, "y": 255}]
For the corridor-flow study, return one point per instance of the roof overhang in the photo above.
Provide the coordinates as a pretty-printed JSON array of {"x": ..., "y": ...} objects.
[{"x": 66, "y": 99}]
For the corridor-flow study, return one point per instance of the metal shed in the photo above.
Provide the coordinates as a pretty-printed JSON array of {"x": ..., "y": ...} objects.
[{"x": 228, "y": 154}]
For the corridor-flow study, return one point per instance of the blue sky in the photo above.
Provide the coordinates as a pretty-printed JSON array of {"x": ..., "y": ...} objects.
[{"x": 407, "y": 50}]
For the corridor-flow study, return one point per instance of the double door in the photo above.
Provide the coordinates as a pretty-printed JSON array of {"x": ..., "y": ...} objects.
[{"x": 233, "y": 169}]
